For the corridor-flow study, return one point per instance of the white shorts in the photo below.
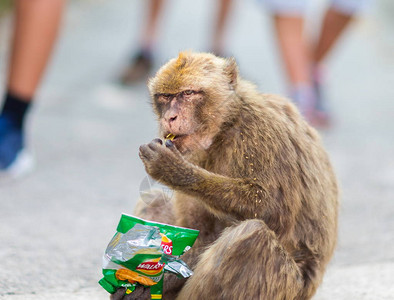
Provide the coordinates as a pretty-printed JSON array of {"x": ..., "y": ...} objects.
[{"x": 298, "y": 7}]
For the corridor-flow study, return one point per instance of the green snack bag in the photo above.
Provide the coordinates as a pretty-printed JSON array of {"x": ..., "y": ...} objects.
[{"x": 141, "y": 251}]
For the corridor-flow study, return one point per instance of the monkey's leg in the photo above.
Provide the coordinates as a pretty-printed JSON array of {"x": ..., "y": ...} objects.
[{"x": 246, "y": 262}]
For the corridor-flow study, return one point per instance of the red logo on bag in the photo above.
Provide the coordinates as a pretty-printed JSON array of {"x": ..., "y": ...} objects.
[
  {"x": 166, "y": 244},
  {"x": 150, "y": 267}
]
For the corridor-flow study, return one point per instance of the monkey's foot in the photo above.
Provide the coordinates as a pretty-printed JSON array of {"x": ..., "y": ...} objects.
[{"x": 140, "y": 292}]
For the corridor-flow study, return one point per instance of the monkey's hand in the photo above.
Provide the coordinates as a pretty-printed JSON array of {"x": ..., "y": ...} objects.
[
  {"x": 166, "y": 164},
  {"x": 140, "y": 293},
  {"x": 221, "y": 193}
]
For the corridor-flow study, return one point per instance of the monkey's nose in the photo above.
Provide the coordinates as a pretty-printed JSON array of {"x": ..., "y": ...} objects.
[{"x": 172, "y": 119}]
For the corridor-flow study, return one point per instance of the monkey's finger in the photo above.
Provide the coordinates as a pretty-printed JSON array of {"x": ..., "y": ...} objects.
[
  {"x": 146, "y": 153},
  {"x": 158, "y": 141},
  {"x": 146, "y": 294},
  {"x": 118, "y": 295},
  {"x": 170, "y": 145},
  {"x": 155, "y": 146}
]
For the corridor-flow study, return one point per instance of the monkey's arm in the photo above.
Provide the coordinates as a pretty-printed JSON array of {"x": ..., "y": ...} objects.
[{"x": 239, "y": 197}]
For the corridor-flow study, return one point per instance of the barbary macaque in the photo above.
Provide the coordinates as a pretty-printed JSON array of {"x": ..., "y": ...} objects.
[{"x": 250, "y": 174}]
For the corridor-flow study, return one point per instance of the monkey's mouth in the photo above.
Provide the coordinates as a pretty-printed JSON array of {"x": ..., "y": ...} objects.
[{"x": 174, "y": 137}]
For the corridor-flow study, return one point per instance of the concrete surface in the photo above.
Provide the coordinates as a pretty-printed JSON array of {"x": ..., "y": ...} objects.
[{"x": 85, "y": 132}]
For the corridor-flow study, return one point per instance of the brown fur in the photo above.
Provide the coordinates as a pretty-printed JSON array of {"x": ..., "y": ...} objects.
[{"x": 251, "y": 175}]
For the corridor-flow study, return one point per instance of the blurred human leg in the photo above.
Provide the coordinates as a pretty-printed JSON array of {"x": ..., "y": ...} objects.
[
  {"x": 288, "y": 16},
  {"x": 148, "y": 36},
  {"x": 141, "y": 63},
  {"x": 221, "y": 21},
  {"x": 305, "y": 84},
  {"x": 290, "y": 35},
  {"x": 334, "y": 24},
  {"x": 35, "y": 29},
  {"x": 337, "y": 17},
  {"x": 295, "y": 55}
]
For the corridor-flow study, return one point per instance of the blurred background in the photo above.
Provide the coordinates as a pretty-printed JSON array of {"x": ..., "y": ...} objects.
[{"x": 88, "y": 122}]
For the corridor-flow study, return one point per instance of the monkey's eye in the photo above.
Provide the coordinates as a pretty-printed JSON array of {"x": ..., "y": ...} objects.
[
  {"x": 167, "y": 96},
  {"x": 188, "y": 92},
  {"x": 164, "y": 97}
]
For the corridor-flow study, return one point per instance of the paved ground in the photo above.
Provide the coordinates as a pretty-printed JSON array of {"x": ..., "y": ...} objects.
[{"x": 55, "y": 224}]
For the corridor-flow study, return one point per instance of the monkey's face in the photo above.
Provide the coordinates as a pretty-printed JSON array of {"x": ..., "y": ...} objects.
[
  {"x": 191, "y": 95},
  {"x": 180, "y": 114}
]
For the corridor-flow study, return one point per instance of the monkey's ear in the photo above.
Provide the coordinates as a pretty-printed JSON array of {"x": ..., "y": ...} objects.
[{"x": 231, "y": 70}]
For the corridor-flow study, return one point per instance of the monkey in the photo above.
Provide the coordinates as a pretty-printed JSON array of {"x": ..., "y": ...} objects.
[{"x": 248, "y": 172}]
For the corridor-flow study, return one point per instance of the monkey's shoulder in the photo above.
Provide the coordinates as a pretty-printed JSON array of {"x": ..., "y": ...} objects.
[{"x": 267, "y": 134}]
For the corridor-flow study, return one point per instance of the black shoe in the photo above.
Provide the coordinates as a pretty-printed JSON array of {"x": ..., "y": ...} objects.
[{"x": 139, "y": 69}]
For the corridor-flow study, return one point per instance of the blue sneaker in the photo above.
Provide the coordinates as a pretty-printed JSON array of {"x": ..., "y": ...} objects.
[{"x": 15, "y": 161}]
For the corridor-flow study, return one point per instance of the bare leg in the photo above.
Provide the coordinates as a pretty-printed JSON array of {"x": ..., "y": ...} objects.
[
  {"x": 36, "y": 26},
  {"x": 293, "y": 48},
  {"x": 296, "y": 58},
  {"x": 149, "y": 32},
  {"x": 141, "y": 64},
  {"x": 35, "y": 29},
  {"x": 222, "y": 17},
  {"x": 333, "y": 25}
]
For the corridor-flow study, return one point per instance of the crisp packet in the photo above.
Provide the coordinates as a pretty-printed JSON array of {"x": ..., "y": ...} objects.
[{"x": 141, "y": 251}]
